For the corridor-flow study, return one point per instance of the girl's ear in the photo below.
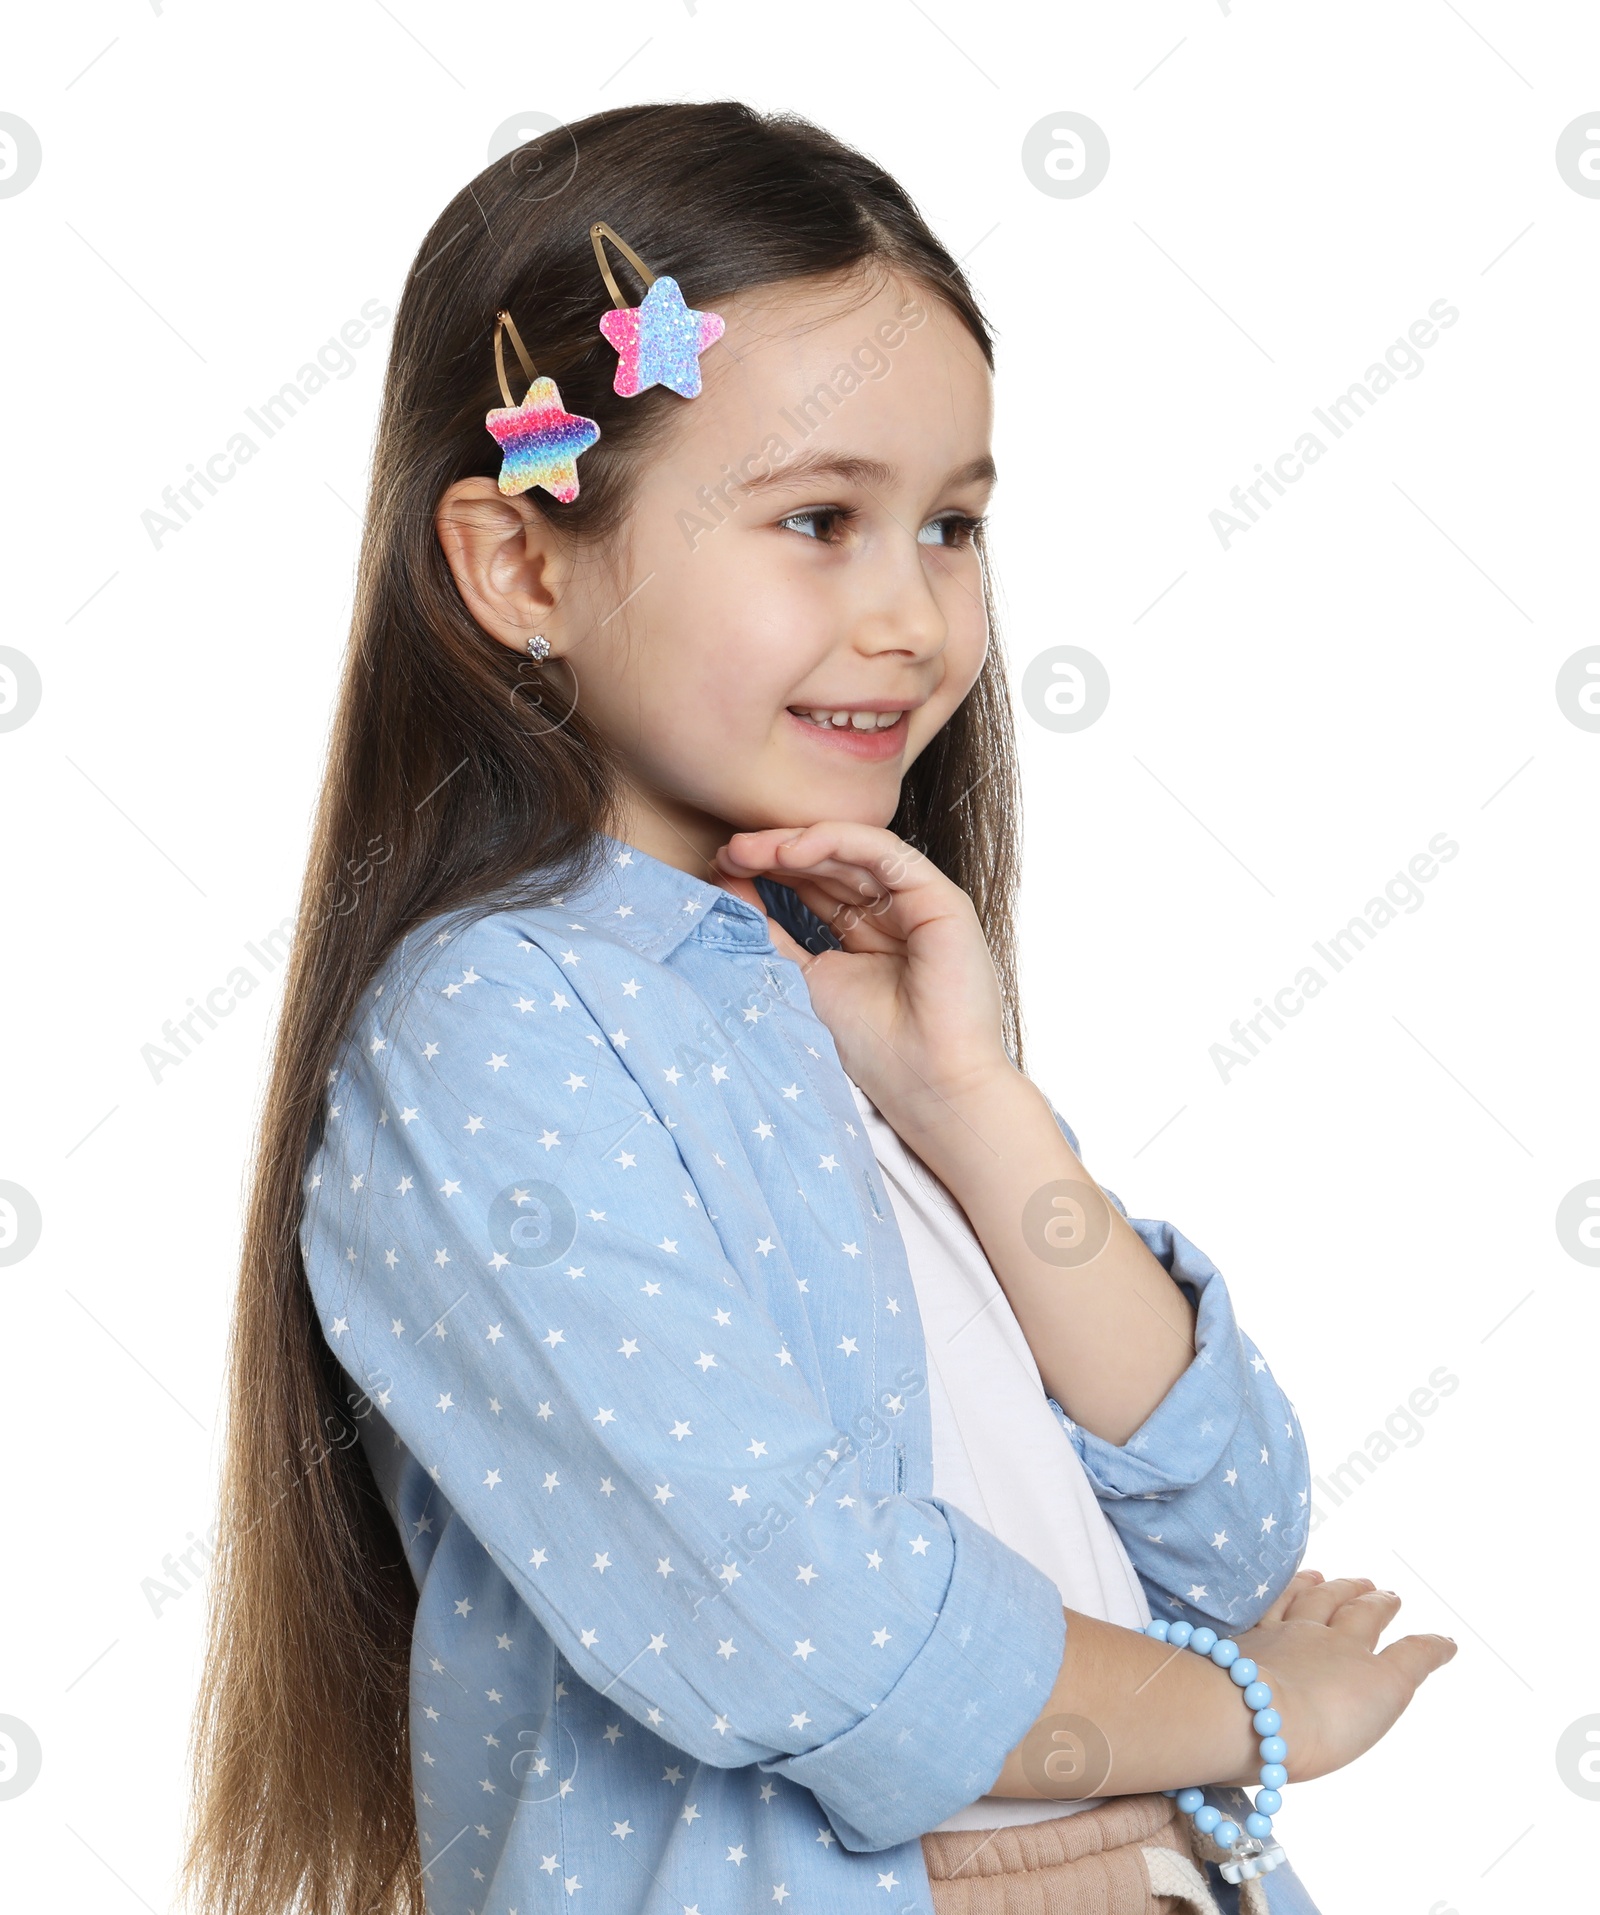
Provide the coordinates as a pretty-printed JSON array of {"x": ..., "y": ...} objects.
[{"x": 509, "y": 562}]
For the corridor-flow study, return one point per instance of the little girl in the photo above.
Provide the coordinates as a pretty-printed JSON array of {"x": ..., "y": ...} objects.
[{"x": 701, "y": 1441}]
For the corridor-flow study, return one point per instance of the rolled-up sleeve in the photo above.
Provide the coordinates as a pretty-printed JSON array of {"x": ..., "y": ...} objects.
[
  {"x": 1211, "y": 1494},
  {"x": 505, "y": 1246}
]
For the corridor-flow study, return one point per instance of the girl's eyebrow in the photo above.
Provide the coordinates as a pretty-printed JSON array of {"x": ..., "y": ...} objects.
[{"x": 858, "y": 470}]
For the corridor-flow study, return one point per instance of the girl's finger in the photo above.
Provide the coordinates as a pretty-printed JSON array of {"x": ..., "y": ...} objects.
[
  {"x": 1321, "y": 1600},
  {"x": 843, "y": 885},
  {"x": 1302, "y": 1579},
  {"x": 848, "y": 883},
  {"x": 858, "y": 930},
  {"x": 834, "y": 888},
  {"x": 874, "y": 860},
  {"x": 1418, "y": 1656},
  {"x": 1365, "y": 1617}
]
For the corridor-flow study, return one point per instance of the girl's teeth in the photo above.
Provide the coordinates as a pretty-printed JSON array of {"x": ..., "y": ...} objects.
[{"x": 854, "y": 720}]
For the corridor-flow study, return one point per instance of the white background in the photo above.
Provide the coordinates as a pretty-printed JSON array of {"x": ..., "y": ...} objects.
[{"x": 1291, "y": 719}]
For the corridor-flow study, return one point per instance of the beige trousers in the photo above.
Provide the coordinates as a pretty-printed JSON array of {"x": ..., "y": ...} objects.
[{"x": 1133, "y": 1855}]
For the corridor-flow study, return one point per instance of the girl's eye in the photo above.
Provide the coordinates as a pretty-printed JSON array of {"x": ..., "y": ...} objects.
[
  {"x": 825, "y": 518},
  {"x": 956, "y": 528},
  {"x": 823, "y": 523}
]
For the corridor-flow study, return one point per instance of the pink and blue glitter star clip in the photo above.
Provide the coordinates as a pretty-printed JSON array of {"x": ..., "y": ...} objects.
[
  {"x": 540, "y": 439},
  {"x": 659, "y": 341}
]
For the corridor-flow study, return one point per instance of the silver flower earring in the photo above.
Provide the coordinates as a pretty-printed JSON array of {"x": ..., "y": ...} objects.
[{"x": 538, "y": 648}]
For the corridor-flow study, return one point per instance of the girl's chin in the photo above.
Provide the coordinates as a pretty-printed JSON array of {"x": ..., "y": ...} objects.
[{"x": 804, "y": 802}]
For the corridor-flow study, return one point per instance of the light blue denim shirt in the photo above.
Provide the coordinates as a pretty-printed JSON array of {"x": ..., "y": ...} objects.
[{"x": 636, "y": 1359}]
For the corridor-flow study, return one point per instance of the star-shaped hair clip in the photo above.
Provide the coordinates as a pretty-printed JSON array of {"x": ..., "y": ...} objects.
[
  {"x": 659, "y": 341},
  {"x": 541, "y": 440}
]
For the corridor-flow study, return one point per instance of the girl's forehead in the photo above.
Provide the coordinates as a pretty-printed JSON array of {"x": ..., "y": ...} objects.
[
  {"x": 809, "y": 318},
  {"x": 793, "y": 356},
  {"x": 785, "y": 302}
]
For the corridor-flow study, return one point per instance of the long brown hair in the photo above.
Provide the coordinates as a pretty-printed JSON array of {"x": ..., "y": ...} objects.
[{"x": 447, "y": 787}]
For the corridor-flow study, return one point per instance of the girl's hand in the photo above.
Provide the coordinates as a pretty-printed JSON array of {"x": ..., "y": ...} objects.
[
  {"x": 1315, "y": 1648},
  {"x": 912, "y": 1000}
]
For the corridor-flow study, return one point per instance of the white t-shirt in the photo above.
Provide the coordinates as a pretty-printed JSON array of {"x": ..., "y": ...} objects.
[{"x": 999, "y": 1451}]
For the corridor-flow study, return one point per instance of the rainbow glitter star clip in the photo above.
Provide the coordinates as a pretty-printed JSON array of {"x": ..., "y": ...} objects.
[
  {"x": 541, "y": 440},
  {"x": 659, "y": 341}
]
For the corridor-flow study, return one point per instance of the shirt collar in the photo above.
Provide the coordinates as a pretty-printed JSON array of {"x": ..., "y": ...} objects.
[{"x": 654, "y": 907}]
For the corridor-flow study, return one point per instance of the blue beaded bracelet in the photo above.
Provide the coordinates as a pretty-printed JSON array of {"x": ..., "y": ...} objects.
[{"x": 1252, "y": 1851}]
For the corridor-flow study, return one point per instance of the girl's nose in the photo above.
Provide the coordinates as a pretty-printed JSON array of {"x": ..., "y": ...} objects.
[{"x": 903, "y": 616}]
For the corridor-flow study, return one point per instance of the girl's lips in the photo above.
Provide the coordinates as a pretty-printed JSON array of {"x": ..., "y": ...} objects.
[{"x": 887, "y": 743}]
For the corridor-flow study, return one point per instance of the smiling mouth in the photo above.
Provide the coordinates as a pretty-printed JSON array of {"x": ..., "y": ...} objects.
[
  {"x": 868, "y": 721},
  {"x": 866, "y": 734}
]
